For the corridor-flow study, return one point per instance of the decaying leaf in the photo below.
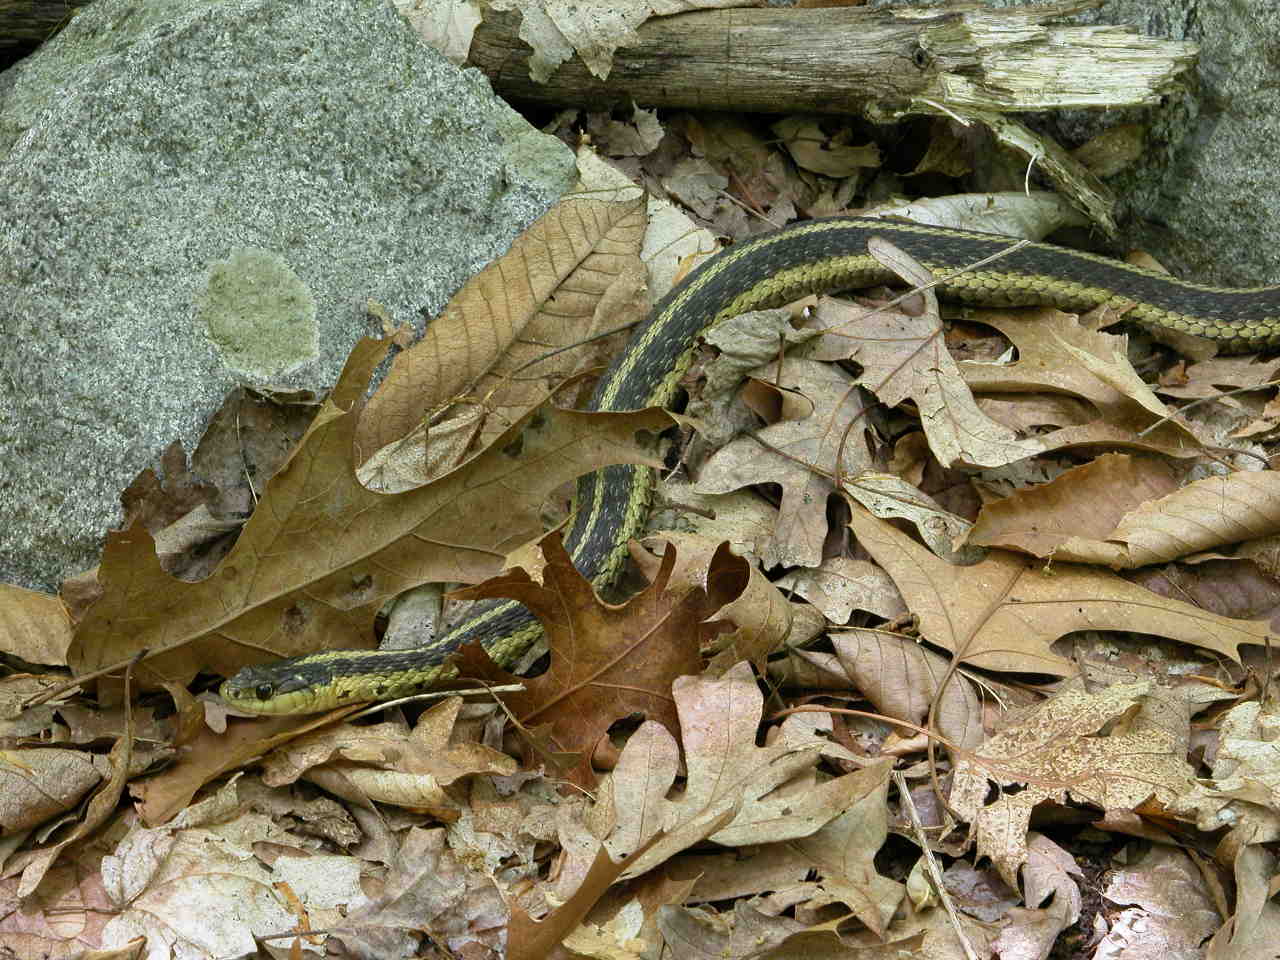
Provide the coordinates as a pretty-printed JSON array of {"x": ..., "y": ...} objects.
[{"x": 1054, "y": 752}]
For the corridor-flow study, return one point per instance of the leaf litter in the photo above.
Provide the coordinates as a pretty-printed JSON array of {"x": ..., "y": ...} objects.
[{"x": 926, "y": 549}]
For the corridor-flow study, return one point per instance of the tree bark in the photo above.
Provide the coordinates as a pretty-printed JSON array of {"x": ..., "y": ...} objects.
[{"x": 838, "y": 60}]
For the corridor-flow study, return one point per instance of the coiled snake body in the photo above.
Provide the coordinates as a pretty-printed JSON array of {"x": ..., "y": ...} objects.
[{"x": 769, "y": 270}]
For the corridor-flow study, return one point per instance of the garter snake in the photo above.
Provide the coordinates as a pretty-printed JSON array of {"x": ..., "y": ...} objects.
[{"x": 765, "y": 271}]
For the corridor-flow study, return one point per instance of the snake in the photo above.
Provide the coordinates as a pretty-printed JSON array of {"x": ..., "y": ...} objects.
[{"x": 767, "y": 270}]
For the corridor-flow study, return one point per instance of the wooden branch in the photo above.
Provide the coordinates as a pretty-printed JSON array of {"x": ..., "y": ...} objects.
[{"x": 838, "y": 60}]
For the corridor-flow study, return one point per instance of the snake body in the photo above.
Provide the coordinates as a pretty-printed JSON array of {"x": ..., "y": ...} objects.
[{"x": 768, "y": 270}]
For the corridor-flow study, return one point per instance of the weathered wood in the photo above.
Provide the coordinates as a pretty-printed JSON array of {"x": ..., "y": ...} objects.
[{"x": 837, "y": 60}]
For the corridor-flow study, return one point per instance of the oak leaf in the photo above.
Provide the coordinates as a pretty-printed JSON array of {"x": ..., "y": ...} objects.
[
  {"x": 1004, "y": 613},
  {"x": 321, "y": 554},
  {"x": 607, "y": 661}
]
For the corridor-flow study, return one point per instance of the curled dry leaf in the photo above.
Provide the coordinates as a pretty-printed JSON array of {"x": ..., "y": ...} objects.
[{"x": 41, "y": 783}]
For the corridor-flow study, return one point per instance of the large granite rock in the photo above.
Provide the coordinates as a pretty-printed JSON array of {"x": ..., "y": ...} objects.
[{"x": 197, "y": 195}]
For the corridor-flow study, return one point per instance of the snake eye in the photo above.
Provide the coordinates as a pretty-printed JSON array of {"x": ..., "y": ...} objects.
[{"x": 264, "y": 691}]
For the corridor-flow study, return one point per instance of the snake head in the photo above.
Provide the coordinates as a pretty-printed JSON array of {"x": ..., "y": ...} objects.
[{"x": 287, "y": 686}]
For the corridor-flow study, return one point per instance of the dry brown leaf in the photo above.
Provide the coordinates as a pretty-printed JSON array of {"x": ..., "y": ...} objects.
[
  {"x": 904, "y": 358},
  {"x": 1212, "y": 378},
  {"x": 1129, "y": 512},
  {"x": 830, "y": 155},
  {"x": 1057, "y": 354},
  {"x": 209, "y": 756},
  {"x": 1117, "y": 749},
  {"x": 801, "y": 455},
  {"x": 428, "y": 887},
  {"x": 748, "y": 934},
  {"x": 1165, "y": 910},
  {"x": 770, "y": 793},
  {"x": 538, "y": 297},
  {"x": 1244, "y": 792},
  {"x": 41, "y": 783},
  {"x": 842, "y": 585},
  {"x": 528, "y": 939},
  {"x": 1052, "y": 896},
  {"x": 888, "y": 498},
  {"x": 423, "y": 752},
  {"x": 607, "y": 661},
  {"x": 321, "y": 554},
  {"x": 901, "y": 678},
  {"x": 34, "y": 626},
  {"x": 843, "y": 854},
  {"x": 1254, "y": 929},
  {"x": 1203, "y": 515},
  {"x": 100, "y": 808},
  {"x": 761, "y": 614},
  {"x": 1004, "y": 613},
  {"x": 1071, "y": 516}
]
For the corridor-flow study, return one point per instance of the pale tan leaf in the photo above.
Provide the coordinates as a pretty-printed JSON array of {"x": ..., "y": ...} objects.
[
  {"x": 1213, "y": 378},
  {"x": 544, "y": 292},
  {"x": 1129, "y": 512},
  {"x": 765, "y": 793},
  {"x": 761, "y": 615},
  {"x": 1057, "y": 354},
  {"x": 901, "y": 678},
  {"x": 41, "y": 783},
  {"x": 1244, "y": 791},
  {"x": 1004, "y": 613},
  {"x": 33, "y": 626},
  {"x": 1168, "y": 912},
  {"x": 843, "y": 853},
  {"x": 1254, "y": 929},
  {"x": 1202, "y": 515},
  {"x": 832, "y": 156},
  {"x": 903, "y": 357},
  {"x": 801, "y": 455},
  {"x": 1054, "y": 751},
  {"x": 887, "y": 496},
  {"x": 842, "y": 585}
]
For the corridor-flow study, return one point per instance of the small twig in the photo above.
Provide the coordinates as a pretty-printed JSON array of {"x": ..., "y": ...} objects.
[
  {"x": 1217, "y": 396},
  {"x": 931, "y": 863},
  {"x": 439, "y": 695}
]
